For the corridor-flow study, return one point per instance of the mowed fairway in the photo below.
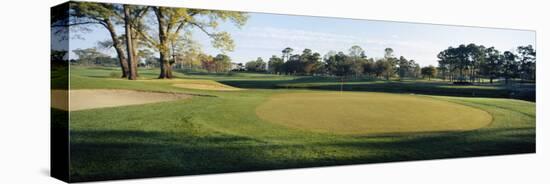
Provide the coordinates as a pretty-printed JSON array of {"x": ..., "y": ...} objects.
[
  {"x": 218, "y": 131},
  {"x": 368, "y": 113}
]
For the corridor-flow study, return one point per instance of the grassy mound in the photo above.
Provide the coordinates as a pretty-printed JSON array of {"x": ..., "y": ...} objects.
[
  {"x": 206, "y": 85},
  {"x": 368, "y": 113}
]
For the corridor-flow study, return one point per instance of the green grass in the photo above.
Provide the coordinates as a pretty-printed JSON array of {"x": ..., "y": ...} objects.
[
  {"x": 220, "y": 132},
  {"x": 363, "y": 113},
  {"x": 427, "y": 87}
]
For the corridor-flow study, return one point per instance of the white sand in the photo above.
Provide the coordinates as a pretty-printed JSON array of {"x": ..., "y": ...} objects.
[{"x": 100, "y": 98}]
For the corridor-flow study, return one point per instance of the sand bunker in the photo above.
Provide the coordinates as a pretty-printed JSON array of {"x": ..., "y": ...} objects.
[
  {"x": 100, "y": 98},
  {"x": 206, "y": 86}
]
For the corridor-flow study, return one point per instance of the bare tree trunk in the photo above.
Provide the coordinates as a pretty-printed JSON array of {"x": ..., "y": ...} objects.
[
  {"x": 118, "y": 48},
  {"x": 165, "y": 66},
  {"x": 135, "y": 52},
  {"x": 129, "y": 44}
]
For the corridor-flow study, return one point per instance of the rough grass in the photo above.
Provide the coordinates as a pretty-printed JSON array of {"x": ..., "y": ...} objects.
[
  {"x": 220, "y": 132},
  {"x": 369, "y": 113}
]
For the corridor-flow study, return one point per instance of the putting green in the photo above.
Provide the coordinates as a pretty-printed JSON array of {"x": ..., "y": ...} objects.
[{"x": 369, "y": 113}]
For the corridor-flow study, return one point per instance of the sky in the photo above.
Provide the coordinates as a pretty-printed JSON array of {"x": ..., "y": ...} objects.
[{"x": 265, "y": 35}]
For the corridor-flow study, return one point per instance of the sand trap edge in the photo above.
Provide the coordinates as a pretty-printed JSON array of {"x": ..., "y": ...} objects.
[{"x": 84, "y": 99}]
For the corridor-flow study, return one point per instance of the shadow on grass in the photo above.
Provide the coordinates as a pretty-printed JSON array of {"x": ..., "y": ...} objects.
[
  {"x": 523, "y": 92},
  {"x": 102, "y": 155}
]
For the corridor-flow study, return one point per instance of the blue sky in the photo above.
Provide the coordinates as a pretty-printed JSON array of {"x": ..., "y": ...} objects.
[{"x": 265, "y": 35}]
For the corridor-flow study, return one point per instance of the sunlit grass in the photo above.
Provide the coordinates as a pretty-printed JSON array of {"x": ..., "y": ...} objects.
[{"x": 219, "y": 131}]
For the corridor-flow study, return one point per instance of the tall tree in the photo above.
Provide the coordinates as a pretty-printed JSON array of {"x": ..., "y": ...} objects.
[
  {"x": 104, "y": 14},
  {"x": 357, "y": 52},
  {"x": 222, "y": 63},
  {"x": 527, "y": 57},
  {"x": 276, "y": 64},
  {"x": 287, "y": 52},
  {"x": 311, "y": 62},
  {"x": 492, "y": 67},
  {"x": 336, "y": 64},
  {"x": 475, "y": 58},
  {"x": 257, "y": 65},
  {"x": 388, "y": 53},
  {"x": 446, "y": 63},
  {"x": 132, "y": 63},
  {"x": 172, "y": 21},
  {"x": 385, "y": 68},
  {"x": 415, "y": 69},
  {"x": 404, "y": 68},
  {"x": 429, "y": 72},
  {"x": 369, "y": 67},
  {"x": 458, "y": 60},
  {"x": 510, "y": 66}
]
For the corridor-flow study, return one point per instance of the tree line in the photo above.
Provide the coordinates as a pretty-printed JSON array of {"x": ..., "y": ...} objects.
[
  {"x": 471, "y": 63},
  {"x": 353, "y": 63},
  {"x": 463, "y": 64}
]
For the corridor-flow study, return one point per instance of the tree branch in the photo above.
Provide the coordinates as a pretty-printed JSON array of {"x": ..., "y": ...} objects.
[
  {"x": 211, "y": 35},
  {"x": 75, "y": 24}
]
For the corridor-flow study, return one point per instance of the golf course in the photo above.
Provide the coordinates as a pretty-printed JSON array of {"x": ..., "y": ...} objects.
[
  {"x": 150, "y": 91},
  {"x": 211, "y": 127}
]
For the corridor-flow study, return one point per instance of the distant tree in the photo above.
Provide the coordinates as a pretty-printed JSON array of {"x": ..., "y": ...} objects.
[
  {"x": 404, "y": 67},
  {"x": 527, "y": 57},
  {"x": 464, "y": 61},
  {"x": 369, "y": 67},
  {"x": 222, "y": 63},
  {"x": 461, "y": 61},
  {"x": 90, "y": 56},
  {"x": 329, "y": 54},
  {"x": 476, "y": 58},
  {"x": 492, "y": 67},
  {"x": 58, "y": 55},
  {"x": 384, "y": 67},
  {"x": 310, "y": 62},
  {"x": 207, "y": 63},
  {"x": 276, "y": 65},
  {"x": 188, "y": 56},
  {"x": 294, "y": 65},
  {"x": 287, "y": 52},
  {"x": 510, "y": 66},
  {"x": 336, "y": 64},
  {"x": 456, "y": 60},
  {"x": 429, "y": 71},
  {"x": 445, "y": 64},
  {"x": 388, "y": 53},
  {"x": 357, "y": 52},
  {"x": 256, "y": 66},
  {"x": 355, "y": 66},
  {"x": 415, "y": 69}
]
